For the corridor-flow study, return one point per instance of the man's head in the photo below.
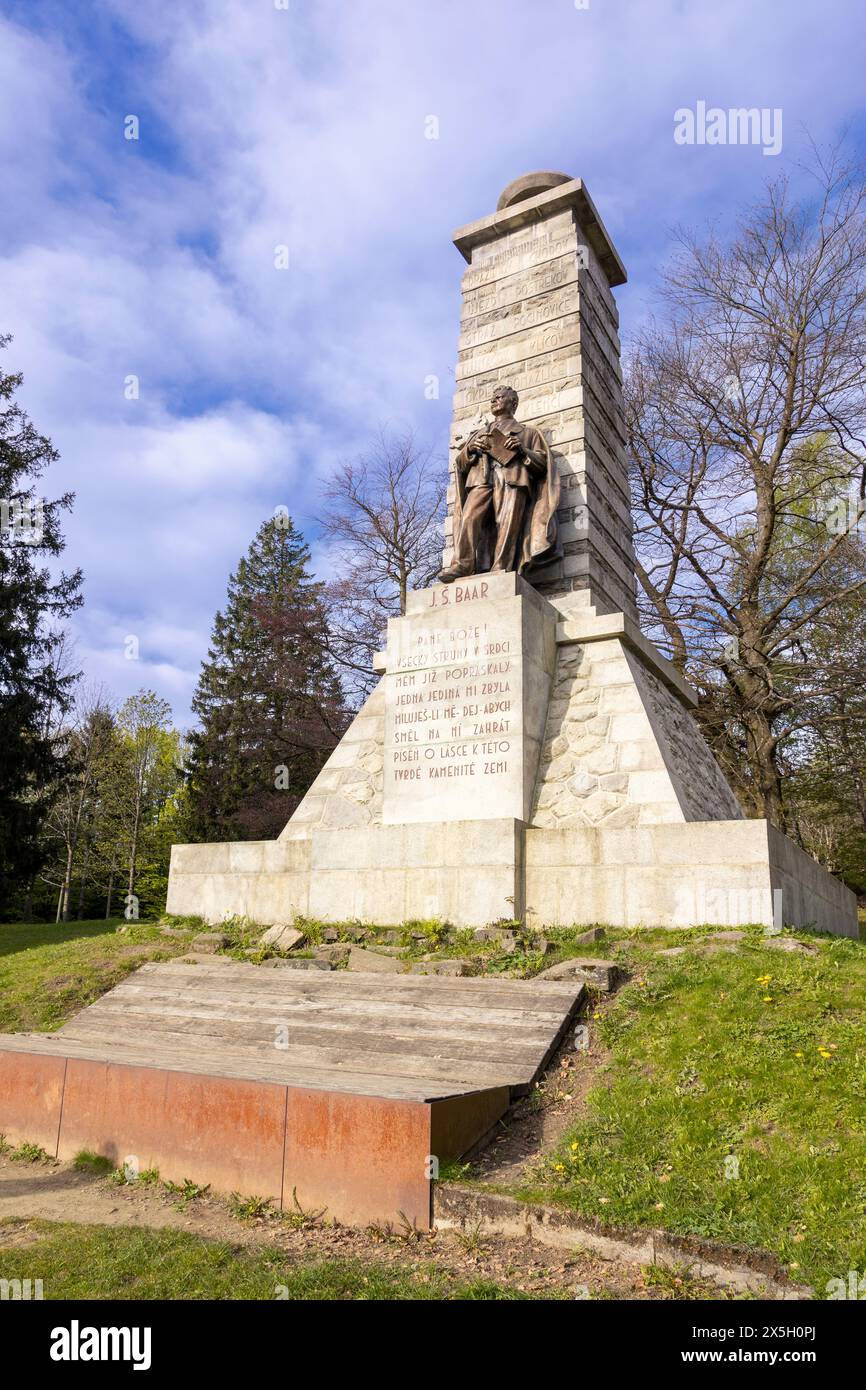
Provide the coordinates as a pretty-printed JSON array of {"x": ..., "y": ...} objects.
[{"x": 504, "y": 400}]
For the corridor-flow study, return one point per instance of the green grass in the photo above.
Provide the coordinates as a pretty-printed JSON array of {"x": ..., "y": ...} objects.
[
  {"x": 86, "y": 1161},
  {"x": 98, "y": 1262},
  {"x": 733, "y": 1106},
  {"x": 48, "y": 972}
]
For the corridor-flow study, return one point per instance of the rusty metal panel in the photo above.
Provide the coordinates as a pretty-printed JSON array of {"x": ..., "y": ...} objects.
[
  {"x": 31, "y": 1098},
  {"x": 458, "y": 1122},
  {"x": 212, "y": 1129},
  {"x": 364, "y": 1158}
]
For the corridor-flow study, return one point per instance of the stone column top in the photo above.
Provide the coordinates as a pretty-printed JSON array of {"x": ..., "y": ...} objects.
[{"x": 535, "y": 208}]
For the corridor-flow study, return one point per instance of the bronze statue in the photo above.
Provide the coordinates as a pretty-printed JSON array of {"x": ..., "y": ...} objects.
[{"x": 507, "y": 496}]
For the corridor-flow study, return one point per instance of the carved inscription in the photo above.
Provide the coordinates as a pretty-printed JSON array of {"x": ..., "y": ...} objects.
[{"x": 454, "y": 711}]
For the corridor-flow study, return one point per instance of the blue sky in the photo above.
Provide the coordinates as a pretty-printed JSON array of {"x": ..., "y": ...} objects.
[{"x": 306, "y": 126}]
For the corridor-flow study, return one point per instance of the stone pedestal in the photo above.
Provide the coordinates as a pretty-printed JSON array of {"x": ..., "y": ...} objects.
[{"x": 584, "y": 790}]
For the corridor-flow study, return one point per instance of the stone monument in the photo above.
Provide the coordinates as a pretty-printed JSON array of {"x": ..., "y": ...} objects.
[{"x": 527, "y": 753}]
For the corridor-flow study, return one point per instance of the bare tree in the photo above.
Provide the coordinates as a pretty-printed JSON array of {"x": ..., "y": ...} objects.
[
  {"x": 746, "y": 414},
  {"x": 86, "y": 742},
  {"x": 383, "y": 523}
]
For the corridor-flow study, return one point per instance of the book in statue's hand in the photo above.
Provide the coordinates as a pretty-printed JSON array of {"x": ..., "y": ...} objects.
[{"x": 502, "y": 447}]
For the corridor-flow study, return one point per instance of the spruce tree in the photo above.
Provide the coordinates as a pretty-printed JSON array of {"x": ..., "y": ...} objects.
[
  {"x": 268, "y": 701},
  {"x": 34, "y": 691}
]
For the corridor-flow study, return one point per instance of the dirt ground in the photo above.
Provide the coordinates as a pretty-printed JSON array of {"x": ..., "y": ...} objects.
[{"x": 535, "y": 1123}]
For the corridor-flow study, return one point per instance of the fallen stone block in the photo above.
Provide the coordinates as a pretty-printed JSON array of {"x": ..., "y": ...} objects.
[
  {"x": 586, "y": 938},
  {"x": 600, "y": 974},
  {"x": 441, "y": 967},
  {"x": 336, "y": 952},
  {"x": 371, "y": 960},
  {"x": 789, "y": 945},
  {"x": 282, "y": 938},
  {"x": 209, "y": 941}
]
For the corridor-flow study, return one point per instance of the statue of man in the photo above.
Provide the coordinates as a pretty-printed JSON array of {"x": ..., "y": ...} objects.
[{"x": 507, "y": 496}]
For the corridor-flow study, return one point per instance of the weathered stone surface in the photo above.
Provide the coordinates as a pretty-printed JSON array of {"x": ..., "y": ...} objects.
[
  {"x": 586, "y": 938},
  {"x": 283, "y": 938},
  {"x": 789, "y": 946},
  {"x": 209, "y": 941},
  {"x": 336, "y": 953},
  {"x": 360, "y": 959},
  {"x": 635, "y": 755},
  {"x": 601, "y": 974},
  {"x": 453, "y": 967}
]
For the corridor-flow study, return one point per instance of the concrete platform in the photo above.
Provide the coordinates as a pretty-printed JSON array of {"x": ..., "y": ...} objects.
[{"x": 334, "y": 1090}]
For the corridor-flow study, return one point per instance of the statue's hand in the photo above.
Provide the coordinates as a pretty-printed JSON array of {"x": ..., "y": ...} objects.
[{"x": 478, "y": 442}]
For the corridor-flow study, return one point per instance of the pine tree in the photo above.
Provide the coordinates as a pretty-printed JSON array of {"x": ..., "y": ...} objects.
[
  {"x": 34, "y": 691},
  {"x": 269, "y": 703}
]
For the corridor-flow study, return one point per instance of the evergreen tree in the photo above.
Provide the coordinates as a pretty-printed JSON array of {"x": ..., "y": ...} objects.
[
  {"x": 34, "y": 691},
  {"x": 269, "y": 703}
]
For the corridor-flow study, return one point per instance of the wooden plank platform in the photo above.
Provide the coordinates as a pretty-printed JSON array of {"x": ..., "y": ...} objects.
[{"x": 339, "y": 1086}]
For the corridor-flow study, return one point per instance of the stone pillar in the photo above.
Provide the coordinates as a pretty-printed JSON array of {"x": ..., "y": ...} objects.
[{"x": 538, "y": 314}]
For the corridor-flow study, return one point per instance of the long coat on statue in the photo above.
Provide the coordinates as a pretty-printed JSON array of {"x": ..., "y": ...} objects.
[{"x": 536, "y": 471}]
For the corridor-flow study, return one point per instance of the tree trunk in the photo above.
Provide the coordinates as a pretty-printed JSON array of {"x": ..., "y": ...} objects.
[
  {"x": 66, "y": 887},
  {"x": 768, "y": 778},
  {"x": 81, "y": 890}
]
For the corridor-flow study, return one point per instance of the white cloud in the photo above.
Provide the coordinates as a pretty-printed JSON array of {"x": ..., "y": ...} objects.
[{"x": 306, "y": 127}]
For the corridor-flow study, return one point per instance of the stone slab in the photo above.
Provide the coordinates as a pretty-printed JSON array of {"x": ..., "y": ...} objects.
[{"x": 467, "y": 680}]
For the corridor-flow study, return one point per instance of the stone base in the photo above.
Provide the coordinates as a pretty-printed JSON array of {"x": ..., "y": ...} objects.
[
  {"x": 602, "y": 802},
  {"x": 466, "y": 872},
  {"x": 470, "y": 873},
  {"x": 719, "y": 873}
]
